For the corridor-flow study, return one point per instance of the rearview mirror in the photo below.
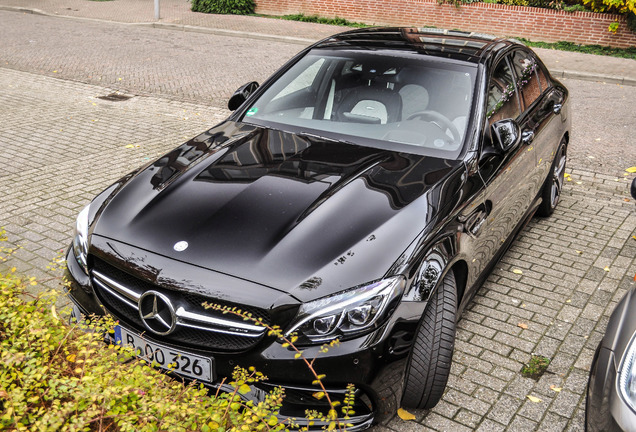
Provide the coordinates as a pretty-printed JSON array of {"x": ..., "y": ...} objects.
[
  {"x": 506, "y": 134},
  {"x": 241, "y": 95}
]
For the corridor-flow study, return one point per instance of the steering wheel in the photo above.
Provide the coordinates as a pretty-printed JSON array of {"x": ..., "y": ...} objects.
[{"x": 435, "y": 116}]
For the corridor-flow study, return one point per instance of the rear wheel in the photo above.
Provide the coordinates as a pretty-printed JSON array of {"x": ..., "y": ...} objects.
[
  {"x": 429, "y": 363},
  {"x": 551, "y": 193}
]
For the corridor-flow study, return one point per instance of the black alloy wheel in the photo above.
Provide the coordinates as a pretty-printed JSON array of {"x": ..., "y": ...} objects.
[{"x": 551, "y": 193}]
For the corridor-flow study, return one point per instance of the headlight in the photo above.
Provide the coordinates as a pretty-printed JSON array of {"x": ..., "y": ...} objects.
[
  {"x": 349, "y": 313},
  {"x": 627, "y": 374},
  {"x": 80, "y": 238}
]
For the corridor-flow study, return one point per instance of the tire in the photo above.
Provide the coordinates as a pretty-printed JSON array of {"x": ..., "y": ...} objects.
[
  {"x": 553, "y": 186},
  {"x": 429, "y": 362}
]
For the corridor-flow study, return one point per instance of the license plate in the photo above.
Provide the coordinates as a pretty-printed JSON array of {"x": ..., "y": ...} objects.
[{"x": 183, "y": 363}]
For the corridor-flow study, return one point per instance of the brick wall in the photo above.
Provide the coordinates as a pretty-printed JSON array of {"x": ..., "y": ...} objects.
[{"x": 532, "y": 23}]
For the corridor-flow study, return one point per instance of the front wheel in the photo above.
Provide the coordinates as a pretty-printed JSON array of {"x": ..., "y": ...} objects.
[
  {"x": 429, "y": 363},
  {"x": 551, "y": 193}
]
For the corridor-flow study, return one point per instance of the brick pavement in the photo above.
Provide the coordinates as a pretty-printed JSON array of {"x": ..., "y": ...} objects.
[
  {"x": 176, "y": 14},
  {"x": 141, "y": 60},
  {"x": 62, "y": 145}
]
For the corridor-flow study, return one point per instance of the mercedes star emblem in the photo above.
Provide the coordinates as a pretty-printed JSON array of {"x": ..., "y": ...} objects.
[
  {"x": 180, "y": 246},
  {"x": 157, "y": 313}
]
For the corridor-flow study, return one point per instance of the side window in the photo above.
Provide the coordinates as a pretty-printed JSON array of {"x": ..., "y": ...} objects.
[
  {"x": 502, "y": 95},
  {"x": 541, "y": 73},
  {"x": 525, "y": 66}
]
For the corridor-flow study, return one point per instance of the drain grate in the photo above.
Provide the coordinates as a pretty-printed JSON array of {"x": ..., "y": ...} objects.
[{"x": 114, "y": 97}]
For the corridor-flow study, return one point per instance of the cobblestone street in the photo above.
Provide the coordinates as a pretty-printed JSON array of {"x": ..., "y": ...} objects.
[{"x": 551, "y": 294}]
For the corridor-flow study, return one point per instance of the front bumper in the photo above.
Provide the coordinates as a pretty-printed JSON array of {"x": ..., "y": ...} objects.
[{"x": 374, "y": 363}]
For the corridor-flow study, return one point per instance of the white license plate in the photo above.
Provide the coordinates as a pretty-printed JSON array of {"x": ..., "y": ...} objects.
[{"x": 183, "y": 363}]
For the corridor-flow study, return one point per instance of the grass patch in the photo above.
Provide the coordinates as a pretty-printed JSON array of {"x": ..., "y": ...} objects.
[
  {"x": 536, "y": 367},
  {"x": 629, "y": 53},
  {"x": 318, "y": 20}
]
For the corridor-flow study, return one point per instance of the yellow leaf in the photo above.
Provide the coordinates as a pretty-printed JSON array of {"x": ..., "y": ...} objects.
[
  {"x": 70, "y": 357},
  {"x": 631, "y": 169},
  {"x": 522, "y": 325},
  {"x": 517, "y": 271},
  {"x": 579, "y": 182},
  {"x": 319, "y": 395},
  {"x": 606, "y": 268},
  {"x": 129, "y": 146},
  {"x": 13, "y": 269},
  {"x": 566, "y": 175},
  {"x": 579, "y": 252},
  {"x": 244, "y": 389},
  {"x": 405, "y": 415},
  {"x": 534, "y": 399},
  {"x": 555, "y": 388}
]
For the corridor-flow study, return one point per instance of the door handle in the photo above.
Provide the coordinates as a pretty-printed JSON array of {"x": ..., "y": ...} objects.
[
  {"x": 527, "y": 137},
  {"x": 475, "y": 221}
]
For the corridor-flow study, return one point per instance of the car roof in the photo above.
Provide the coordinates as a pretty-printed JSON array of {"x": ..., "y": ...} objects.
[{"x": 454, "y": 44}]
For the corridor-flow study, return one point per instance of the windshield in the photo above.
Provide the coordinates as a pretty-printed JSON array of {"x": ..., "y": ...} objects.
[{"x": 384, "y": 98}]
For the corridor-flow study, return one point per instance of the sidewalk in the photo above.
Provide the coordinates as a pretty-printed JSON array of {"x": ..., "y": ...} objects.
[{"x": 176, "y": 14}]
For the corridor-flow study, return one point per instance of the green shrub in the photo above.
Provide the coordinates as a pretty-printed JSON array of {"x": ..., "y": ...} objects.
[
  {"x": 54, "y": 377},
  {"x": 235, "y": 7},
  {"x": 322, "y": 20}
]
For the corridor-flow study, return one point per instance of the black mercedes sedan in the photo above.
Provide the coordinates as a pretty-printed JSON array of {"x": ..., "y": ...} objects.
[
  {"x": 361, "y": 194},
  {"x": 611, "y": 390}
]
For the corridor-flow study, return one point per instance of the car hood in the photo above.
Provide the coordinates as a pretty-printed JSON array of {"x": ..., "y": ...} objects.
[{"x": 304, "y": 215}]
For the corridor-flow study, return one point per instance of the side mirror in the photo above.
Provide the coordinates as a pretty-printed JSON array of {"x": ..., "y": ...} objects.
[
  {"x": 241, "y": 95},
  {"x": 633, "y": 189},
  {"x": 506, "y": 134}
]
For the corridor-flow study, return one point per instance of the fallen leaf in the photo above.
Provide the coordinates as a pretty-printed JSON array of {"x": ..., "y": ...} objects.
[
  {"x": 517, "y": 271},
  {"x": 568, "y": 301},
  {"x": 579, "y": 252},
  {"x": 534, "y": 399},
  {"x": 631, "y": 169},
  {"x": 606, "y": 268},
  {"x": 555, "y": 388},
  {"x": 522, "y": 325},
  {"x": 405, "y": 415},
  {"x": 129, "y": 146},
  {"x": 598, "y": 139},
  {"x": 634, "y": 237},
  {"x": 579, "y": 182},
  {"x": 566, "y": 175},
  {"x": 626, "y": 199}
]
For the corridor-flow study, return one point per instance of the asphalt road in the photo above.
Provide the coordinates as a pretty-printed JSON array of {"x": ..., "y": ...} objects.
[{"x": 61, "y": 145}]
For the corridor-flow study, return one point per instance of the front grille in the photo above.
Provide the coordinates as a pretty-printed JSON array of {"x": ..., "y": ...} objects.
[{"x": 195, "y": 327}]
